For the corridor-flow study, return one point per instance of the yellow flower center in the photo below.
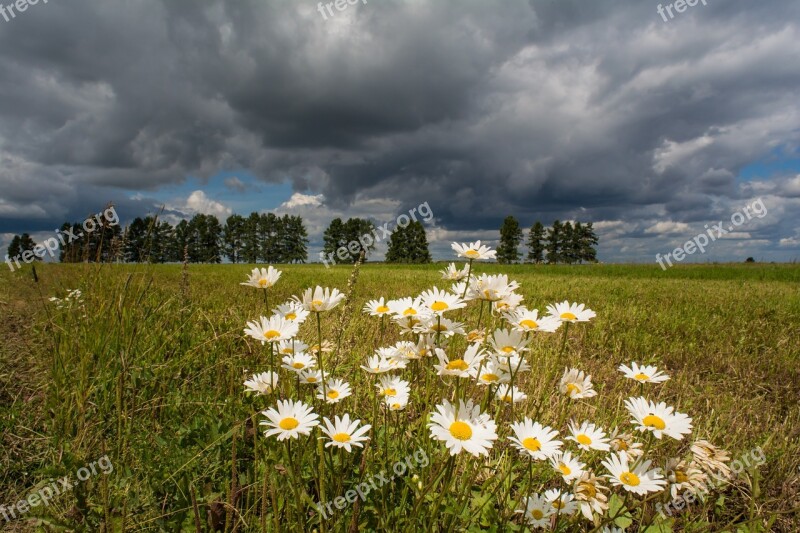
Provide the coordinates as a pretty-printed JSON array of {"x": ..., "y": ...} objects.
[
  {"x": 472, "y": 254},
  {"x": 620, "y": 444},
  {"x": 490, "y": 378},
  {"x": 568, "y": 316},
  {"x": 572, "y": 389},
  {"x": 457, "y": 364},
  {"x": 507, "y": 349},
  {"x": 381, "y": 309},
  {"x": 641, "y": 377},
  {"x": 652, "y": 421},
  {"x": 341, "y": 437},
  {"x": 439, "y": 306},
  {"x": 311, "y": 379},
  {"x": 439, "y": 327},
  {"x": 530, "y": 324},
  {"x": 566, "y": 470},
  {"x": 390, "y": 392},
  {"x": 410, "y": 312},
  {"x": 473, "y": 336},
  {"x": 291, "y": 316},
  {"x": 629, "y": 478},
  {"x": 333, "y": 394},
  {"x": 558, "y": 504},
  {"x": 587, "y": 489},
  {"x": 507, "y": 398},
  {"x": 461, "y": 430},
  {"x": 532, "y": 444},
  {"x": 316, "y": 303},
  {"x": 396, "y": 406},
  {"x": 537, "y": 514},
  {"x": 681, "y": 477},
  {"x": 262, "y": 282},
  {"x": 288, "y": 423},
  {"x": 271, "y": 334},
  {"x": 583, "y": 439},
  {"x": 298, "y": 365}
]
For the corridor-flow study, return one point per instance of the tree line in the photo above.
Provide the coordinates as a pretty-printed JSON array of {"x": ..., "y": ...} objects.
[{"x": 561, "y": 243}]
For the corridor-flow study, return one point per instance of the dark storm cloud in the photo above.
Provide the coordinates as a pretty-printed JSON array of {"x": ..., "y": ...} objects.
[{"x": 545, "y": 109}]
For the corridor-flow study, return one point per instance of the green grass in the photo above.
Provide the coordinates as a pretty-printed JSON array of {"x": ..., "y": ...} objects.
[{"x": 150, "y": 372}]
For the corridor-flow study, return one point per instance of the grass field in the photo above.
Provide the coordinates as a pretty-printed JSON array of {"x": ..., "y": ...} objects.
[{"x": 149, "y": 372}]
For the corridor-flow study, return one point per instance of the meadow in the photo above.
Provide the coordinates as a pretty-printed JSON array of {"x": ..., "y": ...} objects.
[{"x": 147, "y": 368}]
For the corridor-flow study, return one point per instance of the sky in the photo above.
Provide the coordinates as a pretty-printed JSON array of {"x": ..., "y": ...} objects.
[{"x": 652, "y": 127}]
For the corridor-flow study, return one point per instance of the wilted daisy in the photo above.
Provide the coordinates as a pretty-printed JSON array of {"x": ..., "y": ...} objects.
[
  {"x": 562, "y": 503},
  {"x": 463, "y": 428},
  {"x": 476, "y": 336},
  {"x": 659, "y": 419},
  {"x": 643, "y": 374},
  {"x": 576, "y": 384},
  {"x": 569, "y": 467},
  {"x": 320, "y": 299},
  {"x": 463, "y": 367},
  {"x": 624, "y": 443},
  {"x": 509, "y": 394},
  {"x": 290, "y": 347},
  {"x": 335, "y": 391},
  {"x": 567, "y": 312},
  {"x": 327, "y": 347},
  {"x": 684, "y": 476},
  {"x": 392, "y": 386},
  {"x": 711, "y": 459},
  {"x": 262, "y": 383},
  {"x": 453, "y": 273},
  {"x": 534, "y": 440},
  {"x": 299, "y": 362},
  {"x": 272, "y": 329},
  {"x": 588, "y": 436},
  {"x": 525, "y": 320},
  {"x": 536, "y": 510},
  {"x": 290, "y": 420},
  {"x": 444, "y": 327},
  {"x": 263, "y": 278},
  {"x": 589, "y": 493},
  {"x": 292, "y": 311},
  {"x": 344, "y": 433},
  {"x": 493, "y": 374},
  {"x": 638, "y": 480},
  {"x": 377, "y": 307},
  {"x": 311, "y": 377},
  {"x": 508, "y": 342},
  {"x": 437, "y": 302},
  {"x": 473, "y": 250}
]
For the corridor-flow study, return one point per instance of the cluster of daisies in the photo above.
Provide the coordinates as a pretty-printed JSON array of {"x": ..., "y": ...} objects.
[
  {"x": 469, "y": 360},
  {"x": 73, "y": 298}
]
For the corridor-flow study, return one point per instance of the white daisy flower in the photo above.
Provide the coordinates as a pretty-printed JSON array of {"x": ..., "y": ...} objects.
[
  {"x": 406, "y": 307},
  {"x": 376, "y": 307},
  {"x": 345, "y": 434},
  {"x": 590, "y": 495},
  {"x": 570, "y": 468},
  {"x": 643, "y": 374},
  {"x": 491, "y": 288},
  {"x": 393, "y": 386},
  {"x": 438, "y": 302},
  {"x": 534, "y": 440},
  {"x": 508, "y": 342},
  {"x": 290, "y": 420},
  {"x": 659, "y": 419},
  {"x": 576, "y": 384},
  {"x": 263, "y": 278},
  {"x": 537, "y": 511},
  {"x": 567, "y": 312},
  {"x": 335, "y": 391},
  {"x": 311, "y": 377},
  {"x": 524, "y": 320},
  {"x": 406, "y": 350},
  {"x": 492, "y": 373},
  {"x": 272, "y": 329},
  {"x": 291, "y": 347},
  {"x": 378, "y": 364},
  {"x": 508, "y": 302},
  {"x": 516, "y": 364},
  {"x": 624, "y": 443},
  {"x": 262, "y": 383},
  {"x": 396, "y": 403},
  {"x": 509, "y": 394},
  {"x": 299, "y": 362},
  {"x": 589, "y": 437},
  {"x": 320, "y": 299},
  {"x": 453, "y": 273},
  {"x": 443, "y": 326},
  {"x": 463, "y": 367},
  {"x": 562, "y": 503},
  {"x": 473, "y": 250},
  {"x": 638, "y": 480},
  {"x": 292, "y": 311},
  {"x": 463, "y": 428}
]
